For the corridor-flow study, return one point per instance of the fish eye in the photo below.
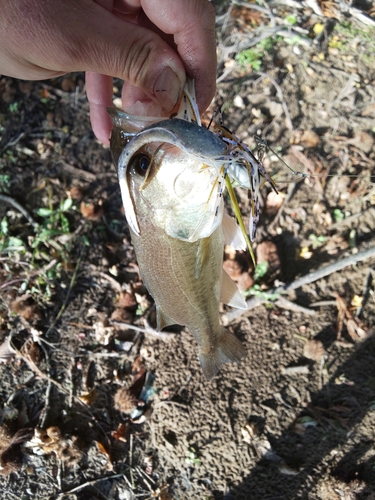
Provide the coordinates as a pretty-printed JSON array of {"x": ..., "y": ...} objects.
[{"x": 140, "y": 164}]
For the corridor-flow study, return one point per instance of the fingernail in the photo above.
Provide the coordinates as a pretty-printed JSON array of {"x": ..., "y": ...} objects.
[{"x": 168, "y": 88}]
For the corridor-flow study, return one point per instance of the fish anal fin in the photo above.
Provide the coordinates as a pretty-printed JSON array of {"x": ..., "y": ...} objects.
[
  {"x": 232, "y": 233},
  {"x": 230, "y": 294},
  {"x": 226, "y": 350},
  {"x": 162, "y": 319}
]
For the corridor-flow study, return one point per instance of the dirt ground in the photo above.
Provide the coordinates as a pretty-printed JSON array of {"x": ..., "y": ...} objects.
[{"x": 296, "y": 419}]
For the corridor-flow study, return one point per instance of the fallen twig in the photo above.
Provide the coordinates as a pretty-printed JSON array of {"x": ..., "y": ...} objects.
[
  {"x": 84, "y": 174},
  {"x": 12, "y": 142},
  {"x": 17, "y": 206},
  {"x": 149, "y": 331},
  {"x": 292, "y": 306},
  {"x": 304, "y": 280},
  {"x": 89, "y": 483}
]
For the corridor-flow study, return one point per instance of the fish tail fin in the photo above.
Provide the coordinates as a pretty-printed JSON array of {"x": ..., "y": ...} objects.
[{"x": 227, "y": 349}]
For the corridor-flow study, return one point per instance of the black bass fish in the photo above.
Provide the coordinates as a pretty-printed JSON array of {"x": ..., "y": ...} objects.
[{"x": 172, "y": 177}]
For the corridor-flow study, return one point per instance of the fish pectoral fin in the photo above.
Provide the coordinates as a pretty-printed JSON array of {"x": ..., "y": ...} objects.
[
  {"x": 202, "y": 256},
  {"x": 162, "y": 319},
  {"x": 227, "y": 349},
  {"x": 232, "y": 233},
  {"x": 230, "y": 294}
]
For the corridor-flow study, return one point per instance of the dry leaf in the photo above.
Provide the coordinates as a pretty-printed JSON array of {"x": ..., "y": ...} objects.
[
  {"x": 45, "y": 442},
  {"x": 336, "y": 243},
  {"x": 143, "y": 301},
  {"x": 148, "y": 462},
  {"x": 356, "y": 301},
  {"x": 11, "y": 456},
  {"x": 314, "y": 350},
  {"x": 7, "y": 353},
  {"x": 32, "y": 351},
  {"x": 75, "y": 193},
  {"x": 127, "y": 300},
  {"x": 307, "y": 138},
  {"x": 89, "y": 397},
  {"x": 369, "y": 110},
  {"x": 26, "y": 308},
  {"x": 163, "y": 493},
  {"x": 246, "y": 17},
  {"x": 305, "y": 253},
  {"x": 120, "y": 433},
  {"x": 363, "y": 141},
  {"x": 122, "y": 315},
  {"x": 124, "y": 400},
  {"x": 68, "y": 84},
  {"x": 248, "y": 432},
  {"x": 103, "y": 333},
  {"x": 321, "y": 212},
  {"x": 102, "y": 448},
  {"x": 356, "y": 329},
  {"x": 91, "y": 211}
]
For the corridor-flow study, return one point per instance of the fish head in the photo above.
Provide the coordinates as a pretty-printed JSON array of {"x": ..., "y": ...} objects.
[{"x": 171, "y": 177}]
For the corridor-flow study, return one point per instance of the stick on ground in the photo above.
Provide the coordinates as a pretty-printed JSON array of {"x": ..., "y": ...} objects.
[{"x": 304, "y": 280}]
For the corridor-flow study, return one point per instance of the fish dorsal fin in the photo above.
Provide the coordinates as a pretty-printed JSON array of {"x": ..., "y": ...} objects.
[
  {"x": 162, "y": 319},
  {"x": 232, "y": 233},
  {"x": 230, "y": 294},
  {"x": 202, "y": 256}
]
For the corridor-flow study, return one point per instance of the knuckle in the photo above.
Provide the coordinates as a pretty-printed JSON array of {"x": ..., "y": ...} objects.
[{"x": 140, "y": 53}]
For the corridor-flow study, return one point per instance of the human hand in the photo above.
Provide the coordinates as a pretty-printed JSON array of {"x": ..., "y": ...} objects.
[{"x": 122, "y": 38}]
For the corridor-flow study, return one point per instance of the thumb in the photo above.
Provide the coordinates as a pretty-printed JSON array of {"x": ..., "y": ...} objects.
[{"x": 112, "y": 46}]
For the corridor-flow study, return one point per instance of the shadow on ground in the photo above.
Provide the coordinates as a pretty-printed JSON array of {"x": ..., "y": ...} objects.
[{"x": 339, "y": 414}]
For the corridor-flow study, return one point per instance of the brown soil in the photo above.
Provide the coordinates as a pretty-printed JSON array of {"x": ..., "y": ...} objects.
[{"x": 296, "y": 419}]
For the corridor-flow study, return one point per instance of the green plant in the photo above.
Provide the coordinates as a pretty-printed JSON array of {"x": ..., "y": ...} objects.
[
  {"x": 292, "y": 20},
  {"x": 9, "y": 243},
  {"x": 4, "y": 183},
  {"x": 250, "y": 57},
  {"x": 254, "y": 57},
  {"x": 13, "y": 107},
  {"x": 263, "y": 294},
  {"x": 192, "y": 458},
  {"x": 338, "y": 215},
  {"x": 260, "y": 270},
  {"x": 317, "y": 241},
  {"x": 45, "y": 252},
  {"x": 346, "y": 36}
]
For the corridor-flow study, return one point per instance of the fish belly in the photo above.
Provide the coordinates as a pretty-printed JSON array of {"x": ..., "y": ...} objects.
[{"x": 168, "y": 269}]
